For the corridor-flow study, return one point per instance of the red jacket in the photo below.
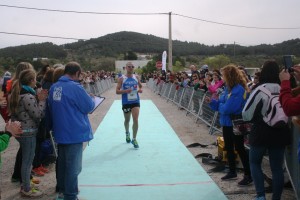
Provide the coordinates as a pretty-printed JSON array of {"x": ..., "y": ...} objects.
[{"x": 290, "y": 104}]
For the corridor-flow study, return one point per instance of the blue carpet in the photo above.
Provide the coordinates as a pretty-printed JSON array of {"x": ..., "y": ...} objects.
[{"x": 161, "y": 169}]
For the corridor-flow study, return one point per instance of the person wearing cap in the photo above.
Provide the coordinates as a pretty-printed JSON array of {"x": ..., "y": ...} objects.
[
  {"x": 6, "y": 77},
  {"x": 203, "y": 71},
  {"x": 204, "y": 67}
]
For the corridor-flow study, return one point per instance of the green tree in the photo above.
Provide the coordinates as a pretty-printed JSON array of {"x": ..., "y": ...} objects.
[
  {"x": 181, "y": 60},
  {"x": 130, "y": 55},
  {"x": 150, "y": 67},
  {"x": 178, "y": 67},
  {"x": 106, "y": 64},
  {"x": 217, "y": 62},
  {"x": 138, "y": 71},
  {"x": 38, "y": 64}
]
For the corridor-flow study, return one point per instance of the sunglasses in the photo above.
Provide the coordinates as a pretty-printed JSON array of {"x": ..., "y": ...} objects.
[{"x": 130, "y": 66}]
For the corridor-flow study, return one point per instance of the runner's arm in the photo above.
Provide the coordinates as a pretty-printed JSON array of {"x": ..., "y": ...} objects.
[{"x": 119, "y": 87}]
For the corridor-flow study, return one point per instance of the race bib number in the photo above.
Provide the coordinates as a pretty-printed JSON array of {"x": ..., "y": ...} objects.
[{"x": 132, "y": 96}]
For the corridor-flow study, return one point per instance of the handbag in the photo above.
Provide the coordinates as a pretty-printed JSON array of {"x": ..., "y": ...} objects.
[{"x": 240, "y": 127}]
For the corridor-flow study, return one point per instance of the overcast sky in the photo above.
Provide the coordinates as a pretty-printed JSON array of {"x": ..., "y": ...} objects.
[{"x": 249, "y": 13}]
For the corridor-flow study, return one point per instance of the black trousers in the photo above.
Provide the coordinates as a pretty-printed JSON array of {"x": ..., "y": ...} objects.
[{"x": 235, "y": 142}]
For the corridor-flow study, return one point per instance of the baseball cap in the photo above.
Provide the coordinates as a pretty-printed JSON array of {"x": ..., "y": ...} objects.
[{"x": 204, "y": 67}]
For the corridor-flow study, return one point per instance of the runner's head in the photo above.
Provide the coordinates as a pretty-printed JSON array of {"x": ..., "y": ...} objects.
[{"x": 129, "y": 68}]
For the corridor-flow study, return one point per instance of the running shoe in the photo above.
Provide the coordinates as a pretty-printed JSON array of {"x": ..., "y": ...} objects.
[
  {"x": 37, "y": 172},
  {"x": 32, "y": 193},
  {"x": 135, "y": 144},
  {"x": 229, "y": 176},
  {"x": 60, "y": 196},
  {"x": 35, "y": 180},
  {"x": 14, "y": 180},
  {"x": 247, "y": 180},
  {"x": 128, "y": 137},
  {"x": 43, "y": 169}
]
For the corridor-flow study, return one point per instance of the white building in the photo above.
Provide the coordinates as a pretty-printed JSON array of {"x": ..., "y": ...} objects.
[{"x": 119, "y": 64}]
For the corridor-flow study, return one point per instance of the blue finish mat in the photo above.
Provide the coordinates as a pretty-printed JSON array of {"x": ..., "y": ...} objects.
[{"x": 161, "y": 169}]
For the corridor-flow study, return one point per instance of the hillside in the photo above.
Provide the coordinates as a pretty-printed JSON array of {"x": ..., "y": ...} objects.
[
  {"x": 46, "y": 49},
  {"x": 104, "y": 50},
  {"x": 117, "y": 43}
]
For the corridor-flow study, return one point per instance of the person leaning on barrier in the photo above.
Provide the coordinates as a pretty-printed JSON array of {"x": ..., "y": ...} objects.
[
  {"x": 264, "y": 138},
  {"x": 194, "y": 71},
  {"x": 69, "y": 106},
  {"x": 215, "y": 85},
  {"x": 231, "y": 102}
]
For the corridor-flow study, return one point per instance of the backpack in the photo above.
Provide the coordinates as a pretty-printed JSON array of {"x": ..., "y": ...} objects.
[{"x": 274, "y": 116}]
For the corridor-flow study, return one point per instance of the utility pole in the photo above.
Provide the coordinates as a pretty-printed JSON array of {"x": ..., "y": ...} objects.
[
  {"x": 170, "y": 64},
  {"x": 234, "y": 49}
]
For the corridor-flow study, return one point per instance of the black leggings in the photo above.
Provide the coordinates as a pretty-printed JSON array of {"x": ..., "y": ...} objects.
[{"x": 235, "y": 142}]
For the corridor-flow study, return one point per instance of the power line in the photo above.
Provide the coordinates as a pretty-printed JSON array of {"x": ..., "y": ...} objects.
[
  {"x": 43, "y": 36},
  {"x": 239, "y": 26},
  {"x": 127, "y": 13},
  {"x": 80, "y": 12},
  {"x": 122, "y": 13}
]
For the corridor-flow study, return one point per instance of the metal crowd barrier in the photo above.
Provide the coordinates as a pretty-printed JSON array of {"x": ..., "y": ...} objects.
[
  {"x": 99, "y": 87},
  {"x": 193, "y": 103},
  {"x": 292, "y": 162},
  {"x": 190, "y": 100}
]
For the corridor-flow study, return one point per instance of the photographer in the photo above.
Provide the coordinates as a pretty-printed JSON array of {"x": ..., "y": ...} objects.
[{"x": 290, "y": 98}]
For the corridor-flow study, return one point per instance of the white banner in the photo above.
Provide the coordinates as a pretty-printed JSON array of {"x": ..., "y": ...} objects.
[{"x": 164, "y": 60}]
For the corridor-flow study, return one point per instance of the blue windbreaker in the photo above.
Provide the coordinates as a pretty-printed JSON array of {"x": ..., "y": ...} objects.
[
  {"x": 69, "y": 106},
  {"x": 229, "y": 103}
]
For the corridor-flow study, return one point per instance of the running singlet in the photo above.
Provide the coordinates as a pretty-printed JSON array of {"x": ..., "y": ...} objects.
[{"x": 133, "y": 96}]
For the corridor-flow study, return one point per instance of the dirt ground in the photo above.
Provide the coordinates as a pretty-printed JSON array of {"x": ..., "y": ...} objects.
[{"x": 184, "y": 125}]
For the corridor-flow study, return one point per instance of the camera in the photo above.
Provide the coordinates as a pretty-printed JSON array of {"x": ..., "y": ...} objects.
[{"x": 288, "y": 62}]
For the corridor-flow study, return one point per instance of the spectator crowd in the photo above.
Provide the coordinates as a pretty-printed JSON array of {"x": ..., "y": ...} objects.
[
  {"x": 28, "y": 112},
  {"x": 232, "y": 92}
]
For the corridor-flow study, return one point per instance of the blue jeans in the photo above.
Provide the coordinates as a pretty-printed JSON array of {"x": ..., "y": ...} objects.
[
  {"x": 27, "y": 144},
  {"x": 68, "y": 168},
  {"x": 276, "y": 156}
]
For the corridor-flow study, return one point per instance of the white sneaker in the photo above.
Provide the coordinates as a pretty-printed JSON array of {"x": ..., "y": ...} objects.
[{"x": 31, "y": 193}]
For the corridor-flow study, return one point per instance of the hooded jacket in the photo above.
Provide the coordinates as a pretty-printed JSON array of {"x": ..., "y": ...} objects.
[{"x": 69, "y": 106}]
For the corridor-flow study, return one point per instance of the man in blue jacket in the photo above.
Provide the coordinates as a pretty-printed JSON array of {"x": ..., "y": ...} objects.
[{"x": 69, "y": 106}]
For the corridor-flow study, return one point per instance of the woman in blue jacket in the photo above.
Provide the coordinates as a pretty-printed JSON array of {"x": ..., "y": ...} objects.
[{"x": 231, "y": 102}]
